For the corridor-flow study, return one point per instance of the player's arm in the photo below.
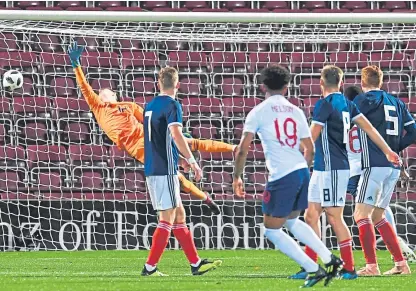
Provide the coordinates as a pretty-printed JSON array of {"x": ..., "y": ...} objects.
[
  {"x": 75, "y": 52},
  {"x": 410, "y": 127},
  {"x": 365, "y": 125},
  {"x": 320, "y": 115},
  {"x": 174, "y": 121},
  {"x": 138, "y": 112},
  {"x": 307, "y": 144},
  {"x": 251, "y": 126}
]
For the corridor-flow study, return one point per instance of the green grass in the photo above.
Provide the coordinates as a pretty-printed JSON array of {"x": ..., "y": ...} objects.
[{"x": 119, "y": 270}]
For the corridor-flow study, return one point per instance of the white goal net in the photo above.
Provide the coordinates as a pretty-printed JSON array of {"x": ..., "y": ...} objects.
[{"x": 64, "y": 185}]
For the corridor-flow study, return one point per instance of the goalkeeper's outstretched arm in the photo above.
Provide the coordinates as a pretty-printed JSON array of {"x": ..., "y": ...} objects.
[{"x": 75, "y": 52}]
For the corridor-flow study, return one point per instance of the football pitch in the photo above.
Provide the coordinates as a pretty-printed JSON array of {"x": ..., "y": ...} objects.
[{"x": 120, "y": 270}]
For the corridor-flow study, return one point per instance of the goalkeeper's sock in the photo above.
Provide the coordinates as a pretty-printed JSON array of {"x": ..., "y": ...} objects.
[
  {"x": 368, "y": 240},
  {"x": 159, "y": 243},
  {"x": 189, "y": 187},
  {"x": 390, "y": 218},
  {"x": 211, "y": 146},
  {"x": 305, "y": 234},
  {"x": 186, "y": 241},
  {"x": 390, "y": 239},
  {"x": 289, "y": 247}
]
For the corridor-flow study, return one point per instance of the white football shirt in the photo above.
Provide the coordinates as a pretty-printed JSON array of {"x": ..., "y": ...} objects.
[
  {"x": 280, "y": 126},
  {"x": 354, "y": 152}
]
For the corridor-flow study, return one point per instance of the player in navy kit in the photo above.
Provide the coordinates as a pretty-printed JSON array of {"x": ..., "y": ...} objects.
[
  {"x": 354, "y": 158},
  {"x": 283, "y": 130},
  {"x": 332, "y": 119},
  {"x": 390, "y": 117},
  {"x": 163, "y": 142}
]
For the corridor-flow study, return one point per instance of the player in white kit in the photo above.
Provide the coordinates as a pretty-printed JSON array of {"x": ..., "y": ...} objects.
[
  {"x": 283, "y": 131},
  {"x": 354, "y": 157}
]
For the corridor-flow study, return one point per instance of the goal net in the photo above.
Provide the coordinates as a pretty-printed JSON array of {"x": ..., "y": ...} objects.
[{"x": 64, "y": 185}]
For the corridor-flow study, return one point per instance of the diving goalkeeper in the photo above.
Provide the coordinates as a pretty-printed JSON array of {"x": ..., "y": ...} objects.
[{"x": 122, "y": 122}]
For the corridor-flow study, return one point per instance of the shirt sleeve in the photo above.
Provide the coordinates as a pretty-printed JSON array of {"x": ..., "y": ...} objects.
[
  {"x": 90, "y": 96},
  {"x": 362, "y": 104},
  {"x": 354, "y": 111},
  {"x": 304, "y": 130},
  {"x": 410, "y": 127},
  {"x": 174, "y": 114},
  {"x": 252, "y": 123},
  {"x": 321, "y": 112},
  {"x": 138, "y": 112}
]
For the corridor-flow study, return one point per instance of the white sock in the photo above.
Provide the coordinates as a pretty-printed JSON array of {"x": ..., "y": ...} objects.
[
  {"x": 149, "y": 268},
  {"x": 390, "y": 218},
  {"x": 197, "y": 263},
  {"x": 289, "y": 247},
  {"x": 305, "y": 234}
]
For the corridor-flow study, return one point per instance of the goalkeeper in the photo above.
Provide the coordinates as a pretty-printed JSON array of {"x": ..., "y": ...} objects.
[{"x": 122, "y": 122}]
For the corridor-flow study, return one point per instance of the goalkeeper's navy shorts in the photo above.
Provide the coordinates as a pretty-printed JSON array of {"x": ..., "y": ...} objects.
[{"x": 287, "y": 194}]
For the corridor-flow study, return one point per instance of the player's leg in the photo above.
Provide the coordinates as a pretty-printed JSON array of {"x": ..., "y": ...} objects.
[
  {"x": 313, "y": 212},
  {"x": 385, "y": 228},
  {"x": 165, "y": 202},
  {"x": 369, "y": 185},
  {"x": 186, "y": 241},
  {"x": 279, "y": 200},
  {"x": 407, "y": 251},
  {"x": 210, "y": 146},
  {"x": 189, "y": 187}
]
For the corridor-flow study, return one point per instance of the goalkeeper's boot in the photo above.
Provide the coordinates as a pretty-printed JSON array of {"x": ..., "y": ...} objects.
[
  {"x": 332, "y": 268},
  {"x": 154, "y": 273},
  {"x": 205, "y": 266},
  {"x": 369, "y": 270},
  {"x": 347, "y": 275},
  {"x": 301, "y": 275},
  {"x": 401, "y": 268},
  {"x": 314, "y": 278},
  {"x": 215, "y": 209}
]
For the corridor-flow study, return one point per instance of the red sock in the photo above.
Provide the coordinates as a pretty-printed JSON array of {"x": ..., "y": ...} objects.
[
  {"x": 185, "y": 239},
  {"x": 367, "y": 240},
  {"x": 390, "y": 239},
  {"x": 311, "y": 254},
  {"x": 159, "y": 242},
  {"x": 346, "y": 254}
]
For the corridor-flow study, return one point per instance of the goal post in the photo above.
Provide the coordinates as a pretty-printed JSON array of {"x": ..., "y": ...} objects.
[{"x": 65, "y": 186}]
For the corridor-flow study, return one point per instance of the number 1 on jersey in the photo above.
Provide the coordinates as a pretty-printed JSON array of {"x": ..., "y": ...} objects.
[{"x": 149, "y": 126}]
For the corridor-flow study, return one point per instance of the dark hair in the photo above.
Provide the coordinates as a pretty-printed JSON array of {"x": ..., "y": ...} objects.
[
  {"x": 275, "y": 77},
  {"x": 352, "y": 91},
  {"x": 332, "y": 76}
]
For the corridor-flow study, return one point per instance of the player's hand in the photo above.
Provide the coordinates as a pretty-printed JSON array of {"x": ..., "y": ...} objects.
[
  {"x": 404, "y": 175},
  {"x": 184, "y": 165},
  {"x": 197, "y": 171},
  {"x": 75, "y": 51},
  {"x": 238, "y": 187},
  {"x": 394, "y": 158}
]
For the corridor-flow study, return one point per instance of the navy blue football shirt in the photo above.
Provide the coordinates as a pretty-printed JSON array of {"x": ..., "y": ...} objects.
[
  {"x": 160, "y": 151},
  {"x": 334, "y": 113},
  {"x": 389, "y": 116}
]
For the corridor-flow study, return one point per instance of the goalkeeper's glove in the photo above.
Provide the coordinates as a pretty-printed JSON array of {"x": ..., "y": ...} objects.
[{"x": 74, "y": 53}]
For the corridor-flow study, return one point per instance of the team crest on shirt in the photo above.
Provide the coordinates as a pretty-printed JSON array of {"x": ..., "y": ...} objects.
[{"x": 266, "y": 196}]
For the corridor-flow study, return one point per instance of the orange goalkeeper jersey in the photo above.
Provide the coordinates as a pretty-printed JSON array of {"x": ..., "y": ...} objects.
[{"x": 121, "y": 121}]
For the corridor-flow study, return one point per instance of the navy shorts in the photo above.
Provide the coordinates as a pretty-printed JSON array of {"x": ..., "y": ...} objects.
[
  {"x": 287, "y": 194},
  {"x": 353, "y": 185}
]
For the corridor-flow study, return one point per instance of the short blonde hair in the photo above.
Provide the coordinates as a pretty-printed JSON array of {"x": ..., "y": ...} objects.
[
  {"x": 372, "y": 76},
  {"x": 331, "y": 76},
  {"x": 168, "y": 78}
]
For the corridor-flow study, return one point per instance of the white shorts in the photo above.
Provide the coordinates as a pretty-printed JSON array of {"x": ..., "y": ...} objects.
[
  {"x": 329, "y": 188},
  {"x": 164, "y": 191},
  {"x": 376, "y": 186}
]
